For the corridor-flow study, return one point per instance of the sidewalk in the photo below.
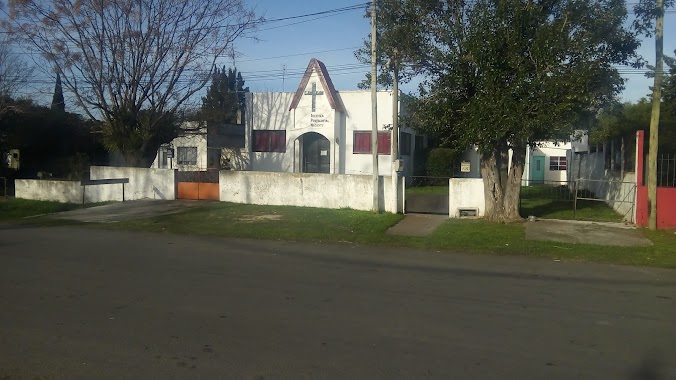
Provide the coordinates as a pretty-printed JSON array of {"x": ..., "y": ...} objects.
[{"x": 417, "y": 224}]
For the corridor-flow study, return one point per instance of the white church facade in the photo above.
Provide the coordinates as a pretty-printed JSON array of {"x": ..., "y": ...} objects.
[{"x": 316, "y": 129}]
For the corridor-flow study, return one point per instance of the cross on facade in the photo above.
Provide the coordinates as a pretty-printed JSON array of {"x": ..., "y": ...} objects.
[{"x": 314, "y": 94}]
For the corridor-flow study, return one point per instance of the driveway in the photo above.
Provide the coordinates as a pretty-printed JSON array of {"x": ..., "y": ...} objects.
[
  {"x": 83, "y": 303},
  {"x": 120, "y": 211}
]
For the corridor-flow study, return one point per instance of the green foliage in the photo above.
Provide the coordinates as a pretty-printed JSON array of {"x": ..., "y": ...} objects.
[
  {"x": 225, "y": 97},
  {"x": 50, "y": 140},
  {"x": 397, "y": 36},
  {"x": 136, "y": 135},
  {"x": 440, "y": 162},
  {"x": 505, "y": 74},
  {"x": 520, "y": 72}
]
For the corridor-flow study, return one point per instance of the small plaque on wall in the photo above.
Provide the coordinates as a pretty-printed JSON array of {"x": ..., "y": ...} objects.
[{"x": 465, "y": 167}]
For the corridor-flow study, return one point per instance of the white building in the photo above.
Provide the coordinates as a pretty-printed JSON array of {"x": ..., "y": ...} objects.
[
  {"x": 547, "y": 163},
  {"x": 313, "y": 130}
]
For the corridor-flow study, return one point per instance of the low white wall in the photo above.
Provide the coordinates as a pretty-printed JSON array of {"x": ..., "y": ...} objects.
[
  {"x": 63, "y": 191},
  {"x": 143, "y": 183},
  {"x": 307, "y": 190},
  {"x": 465, "y": 193},
  {"x": 59, "y": 191}
]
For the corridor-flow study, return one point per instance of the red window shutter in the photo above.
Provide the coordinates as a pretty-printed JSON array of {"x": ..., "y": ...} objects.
[
  {"x": 362, "y": 142},
  {"x": 278, "y": 141},
  {"x": 260, "y": 141},
  {"x": 384, "y": 142}
]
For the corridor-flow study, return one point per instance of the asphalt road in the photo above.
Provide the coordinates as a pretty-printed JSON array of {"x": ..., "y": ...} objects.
[{"x": 87, "y": 304}]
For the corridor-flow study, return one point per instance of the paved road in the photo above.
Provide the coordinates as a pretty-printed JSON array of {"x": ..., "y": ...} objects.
[{"x": 85, "y": 303}]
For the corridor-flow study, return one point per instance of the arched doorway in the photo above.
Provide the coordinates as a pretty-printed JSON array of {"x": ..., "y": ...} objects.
[{"x": 315, "y": 153}]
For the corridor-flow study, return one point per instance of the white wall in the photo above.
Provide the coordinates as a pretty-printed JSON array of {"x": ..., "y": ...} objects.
[
  {"x": 143, "y": 183},
  {"x": 64, "y": 191},
  {"x": 58, "y": 191},
  {"x": 466, "y": 193},
  {"x": 305, "y": 189}
]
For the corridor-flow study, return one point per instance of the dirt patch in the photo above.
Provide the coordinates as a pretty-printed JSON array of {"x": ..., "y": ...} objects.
[
  {"x": 614, "y": 234},
  {"x": 259, "y": 218}
]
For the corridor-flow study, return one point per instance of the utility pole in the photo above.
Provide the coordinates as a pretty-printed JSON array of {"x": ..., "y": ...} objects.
[
  {"x": 395, "y": 106},
  {"x": 374, "y": 107},
  {"x": 395, "y": 128},
  {"x": 655, "y": 117}
]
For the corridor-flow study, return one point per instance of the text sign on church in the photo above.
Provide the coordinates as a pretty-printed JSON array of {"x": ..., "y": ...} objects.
[{"x": 316, "y": 119}]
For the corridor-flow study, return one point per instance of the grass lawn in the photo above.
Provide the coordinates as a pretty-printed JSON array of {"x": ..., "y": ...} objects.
[
  {"x": 363, "y": 227},
  {"x": 557, "y": 209},
  {"x": 557, "y": 202},
  {"x": 13, "y": 209}
]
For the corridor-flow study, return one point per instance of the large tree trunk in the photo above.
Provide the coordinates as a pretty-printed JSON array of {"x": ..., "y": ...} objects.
[{"x": 502, "y": 187}]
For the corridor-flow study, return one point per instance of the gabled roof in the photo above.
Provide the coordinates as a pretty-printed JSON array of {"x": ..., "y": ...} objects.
[{"x": 327, "y": 84}]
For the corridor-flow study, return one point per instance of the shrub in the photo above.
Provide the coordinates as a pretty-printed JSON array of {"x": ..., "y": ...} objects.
[{"x": 440, "y": 162}]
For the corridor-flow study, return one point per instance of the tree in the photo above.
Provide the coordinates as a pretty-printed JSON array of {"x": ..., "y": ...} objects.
[
  {"x": 225, "y": 97},
  {"x": 398, "y": 39},
  {"x": 131, "y": 63},
  {"x": 57, "y": 99},
  {"x": 648, "y": 11},
  {"x": 506, "y": 74},
  {"x": 14, "y": 74}
]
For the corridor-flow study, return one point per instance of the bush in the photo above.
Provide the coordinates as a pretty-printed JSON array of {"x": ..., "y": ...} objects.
[{"x": 440, "y": 162}]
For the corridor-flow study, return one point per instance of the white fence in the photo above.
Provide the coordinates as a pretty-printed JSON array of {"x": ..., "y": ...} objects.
[
  {"x": 143, "y": 184},
  {"x": 307, "y": 190}
]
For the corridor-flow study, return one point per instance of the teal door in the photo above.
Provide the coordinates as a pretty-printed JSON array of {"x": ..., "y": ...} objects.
[{"x": 537, "y": 169}]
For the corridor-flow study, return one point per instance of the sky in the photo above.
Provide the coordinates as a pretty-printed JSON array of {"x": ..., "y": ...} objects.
[
  {"x": 334, "y": 39},
  {"x": 275, "y": 56}
]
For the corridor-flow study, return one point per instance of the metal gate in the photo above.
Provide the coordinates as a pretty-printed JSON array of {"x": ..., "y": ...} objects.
[
  {"x": 426, "y": 195},
  {"x": 202, "y": 185},
  {"x": 580, "y": 200}
]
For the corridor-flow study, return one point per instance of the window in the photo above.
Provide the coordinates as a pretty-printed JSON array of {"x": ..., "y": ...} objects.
[
  {"x": 419, "y": 143},
  {"x": 269, "y": 141},
  {"x": 405, "y": 144},
  {"x": 362, "y": 142},
  {"x": 186, "y": 155},
  {"x": 558, "y": 163}
]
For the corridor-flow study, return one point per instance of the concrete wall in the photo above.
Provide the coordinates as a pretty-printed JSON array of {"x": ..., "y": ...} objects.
[
  {"x": 64, "y": 191},
  {"x": 466, "y": 193},
  {"x": 307, "y": 190},
  {"x": 59, "y": 191},
  {"x": 143, "y": 183}
]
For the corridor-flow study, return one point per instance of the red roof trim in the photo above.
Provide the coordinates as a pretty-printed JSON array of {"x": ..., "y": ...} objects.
[{"x": 325, "y": 79}]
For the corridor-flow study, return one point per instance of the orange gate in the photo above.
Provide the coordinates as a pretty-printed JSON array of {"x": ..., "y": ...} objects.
[{"x": 201, "y": 185}]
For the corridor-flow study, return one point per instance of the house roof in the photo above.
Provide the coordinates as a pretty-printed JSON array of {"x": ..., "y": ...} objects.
[{"x": 327, "y": 84}]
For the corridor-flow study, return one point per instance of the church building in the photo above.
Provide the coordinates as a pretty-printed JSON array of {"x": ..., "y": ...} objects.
[{"x": 317, "y": 129}]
